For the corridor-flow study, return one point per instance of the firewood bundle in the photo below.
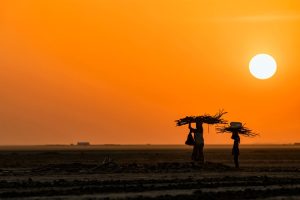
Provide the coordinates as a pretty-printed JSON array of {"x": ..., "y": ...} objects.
[
  {"x": 208, "y": 119},
  {"x": 242, "y": 130}
]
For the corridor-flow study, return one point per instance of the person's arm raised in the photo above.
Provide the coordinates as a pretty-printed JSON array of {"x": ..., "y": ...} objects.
[{"x": 190, "y": 127}]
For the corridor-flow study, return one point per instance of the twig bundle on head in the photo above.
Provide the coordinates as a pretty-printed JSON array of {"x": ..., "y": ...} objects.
[
  {"x": 208, "y": 119},
  {"x": 242, "y": 130}
]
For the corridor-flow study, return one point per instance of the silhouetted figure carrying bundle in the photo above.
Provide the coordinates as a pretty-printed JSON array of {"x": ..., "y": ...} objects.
[
  {"x": 235, "y": 129},
  {"x": 198, "y": 141}
]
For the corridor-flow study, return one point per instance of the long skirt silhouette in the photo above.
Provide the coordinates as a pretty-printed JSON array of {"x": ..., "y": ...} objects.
[
  {"x": 236, "y": 152},
  {"x": 198, "y": 154}
]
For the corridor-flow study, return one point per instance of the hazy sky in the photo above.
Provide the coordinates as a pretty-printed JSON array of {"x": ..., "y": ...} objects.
[{"x": 115, "y": 71}]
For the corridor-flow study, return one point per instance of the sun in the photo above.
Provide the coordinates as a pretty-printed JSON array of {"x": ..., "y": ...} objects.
[{"x": 262, "y": 66}]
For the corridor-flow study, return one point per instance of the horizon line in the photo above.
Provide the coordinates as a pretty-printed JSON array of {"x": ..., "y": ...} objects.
[{"x": 143, "y": 144}]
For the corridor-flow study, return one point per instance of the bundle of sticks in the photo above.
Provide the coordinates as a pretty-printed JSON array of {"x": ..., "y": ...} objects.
[
  {"x": 241, "y": 130},
  {"x": 208, "y": 119}
]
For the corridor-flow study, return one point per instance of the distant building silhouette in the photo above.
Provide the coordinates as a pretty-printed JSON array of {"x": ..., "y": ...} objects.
[{"x": 83, "y": 144}]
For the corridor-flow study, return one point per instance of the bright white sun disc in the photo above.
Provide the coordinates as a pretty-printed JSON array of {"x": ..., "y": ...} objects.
[{"x": 262, "y": 66}]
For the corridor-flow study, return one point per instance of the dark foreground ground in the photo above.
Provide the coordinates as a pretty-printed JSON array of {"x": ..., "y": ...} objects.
[{"x": 148, "y": 172}]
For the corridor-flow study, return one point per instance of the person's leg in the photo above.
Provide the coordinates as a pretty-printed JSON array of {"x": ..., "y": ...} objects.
[
  {"x": 194, "y": 154},
  {"x": 201, "y": 153},
  {"x": 236, "y": 160}
]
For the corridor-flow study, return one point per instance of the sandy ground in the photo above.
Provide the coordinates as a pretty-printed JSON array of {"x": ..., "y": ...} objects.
[{"x": 148, "y": 172}]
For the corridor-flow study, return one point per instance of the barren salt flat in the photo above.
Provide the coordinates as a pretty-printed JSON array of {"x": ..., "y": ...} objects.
[{"x": 148, "y": 172}]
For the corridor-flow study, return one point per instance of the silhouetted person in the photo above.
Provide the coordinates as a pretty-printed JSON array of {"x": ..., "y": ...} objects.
[
  {"x": 235, "y": 149},
  {"x": 197, "y": 154}
]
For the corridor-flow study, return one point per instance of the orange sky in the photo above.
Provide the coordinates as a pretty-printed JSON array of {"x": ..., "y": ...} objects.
[{"x": 115, "y": 71}]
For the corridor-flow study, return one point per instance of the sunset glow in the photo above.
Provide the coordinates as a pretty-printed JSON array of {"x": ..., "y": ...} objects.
[{"x": 122, "y": 71}]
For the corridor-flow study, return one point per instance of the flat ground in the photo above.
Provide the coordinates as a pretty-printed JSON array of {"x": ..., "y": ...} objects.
[{"x": 148, "y": 172}]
